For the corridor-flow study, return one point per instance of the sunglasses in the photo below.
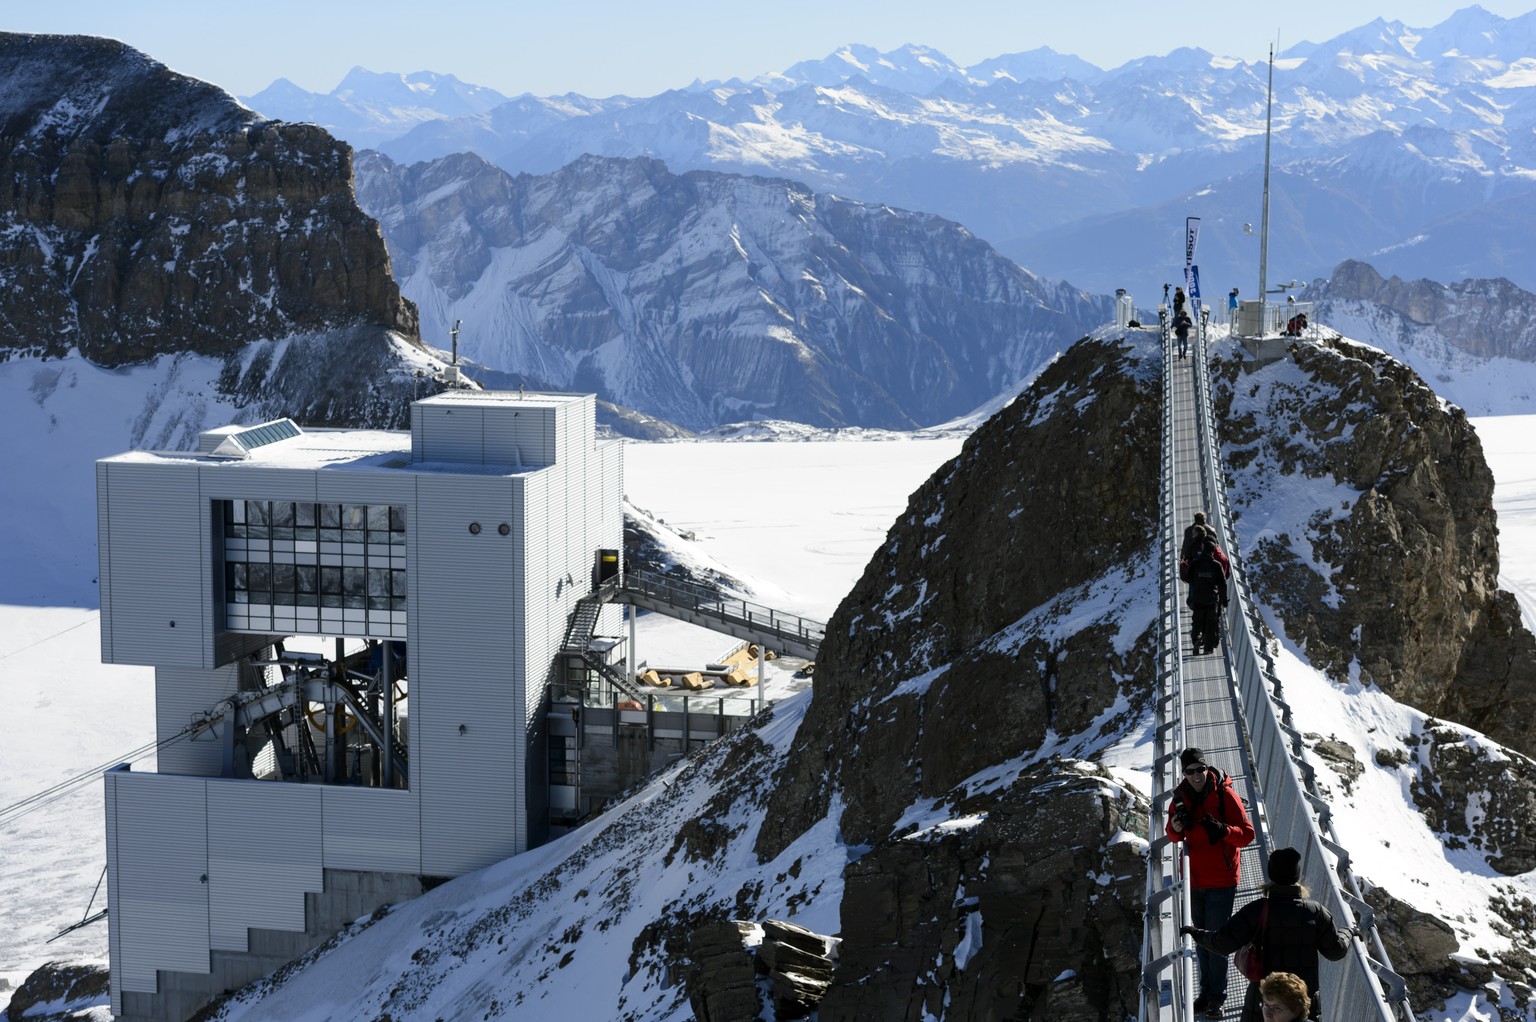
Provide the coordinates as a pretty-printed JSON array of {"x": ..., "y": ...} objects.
[{"x": 1194, "y": 771}]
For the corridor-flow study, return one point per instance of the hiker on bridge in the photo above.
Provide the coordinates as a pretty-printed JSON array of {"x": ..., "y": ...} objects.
[
  {"x": 1209, "y": 818},
  {"x": 1206, "y": 571},
  {"x": 1290, "y": 928},
  {"x": 1181, "y": 327},
  {"x": 1192, "y": 535}
]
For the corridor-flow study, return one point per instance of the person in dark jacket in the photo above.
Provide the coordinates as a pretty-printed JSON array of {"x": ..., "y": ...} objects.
[
  {"x": 1209, "y": 818},
  {"x": 1296, "y": 930},
  {"x": 1207, "y": 578},
  {"x": 1192, "y": 532},
  {"x": 1181, "y": 326}
]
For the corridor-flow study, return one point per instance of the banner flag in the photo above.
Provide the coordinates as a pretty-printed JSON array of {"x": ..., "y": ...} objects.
[
  {"x": 1192, "y": 285},
  {"x": 1191, "y": 236}
]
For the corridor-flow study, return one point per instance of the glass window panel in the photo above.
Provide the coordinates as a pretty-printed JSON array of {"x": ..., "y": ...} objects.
[
  {"x": 235, "y": 577},
  {"x": 330, "y": 599},
  {"x": 378, "y": 581},
  {"x": 307, "y": 600},
  {"x": 257, "y": 513},
  {"x": 330, "y": 580},
  {"x": 354, "y": 581},
  {"x": 305, "y": 578},
  {"x": 354, "y": 602},
  {"x": 396, "y": 518},
  {"x": 378, "y": 517},
  {"x": 354, "y": 516},
  {"x": 260, "y": 582},
  {"x": 352, "y": 535},
  {"x": 397, "y": 603},
  {"x": 330, "y": 516},
  {"x": 397, "y": 583},
  {"x": 282, "y": 513},
  {"x": 304, "y": 516},
  {"x": 283, "y": 578}
]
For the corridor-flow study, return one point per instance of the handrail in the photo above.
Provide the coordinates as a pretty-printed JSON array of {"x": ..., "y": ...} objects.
[{"x": 640, "y": 586}]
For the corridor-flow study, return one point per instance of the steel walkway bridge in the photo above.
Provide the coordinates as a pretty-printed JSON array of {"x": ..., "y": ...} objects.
[
  {"x": 1231, "y": 706},
  {"x": 740, "y": 619}
]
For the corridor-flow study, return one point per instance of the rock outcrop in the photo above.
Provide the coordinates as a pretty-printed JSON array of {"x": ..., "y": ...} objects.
[
  {"x": 150, "y": 215},
  {"x": 1486, "y": 318},
  {"x": 1343, "y": 452},
  {"x": 58, "y": 991},
  {"x": 961, "y": 688}
]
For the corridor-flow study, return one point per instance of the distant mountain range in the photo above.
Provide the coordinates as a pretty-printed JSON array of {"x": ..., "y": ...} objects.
[
  {"x": 708, "y": 298},
  {"x": 1410, "y": 148}
]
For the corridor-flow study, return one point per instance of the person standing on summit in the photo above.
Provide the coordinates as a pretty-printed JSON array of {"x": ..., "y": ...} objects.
[{"x": 1209, "y": 818}]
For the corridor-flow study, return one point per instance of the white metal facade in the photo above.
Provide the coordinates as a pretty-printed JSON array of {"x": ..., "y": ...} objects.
[{"x": 196, "y": 860}]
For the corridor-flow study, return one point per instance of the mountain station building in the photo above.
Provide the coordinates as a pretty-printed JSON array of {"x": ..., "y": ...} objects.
[{"x": 370, "y": 616}]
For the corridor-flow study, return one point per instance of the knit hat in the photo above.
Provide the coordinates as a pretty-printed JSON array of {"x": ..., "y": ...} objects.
[
  {"x": 1192, "y": 757},
  {"x": 1285, "y": 866}
]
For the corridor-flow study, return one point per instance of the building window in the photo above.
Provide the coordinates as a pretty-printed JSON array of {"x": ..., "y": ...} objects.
[{"x": 307, "y": 568}]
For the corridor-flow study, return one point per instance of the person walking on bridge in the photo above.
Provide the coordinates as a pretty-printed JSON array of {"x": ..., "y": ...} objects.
[
  {"x": 1206, "y": 571},
  {"x": 1181, "y": 327},
  {"x": 1210, "y": 819},
  {"x": 1290, "y": 928}
]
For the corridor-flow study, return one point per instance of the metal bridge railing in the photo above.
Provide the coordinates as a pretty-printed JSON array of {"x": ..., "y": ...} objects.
[
  {"x": 642, "y": 586},
  {"x": 1362, "y": 987},
  {"x": 1168, "y": 972}
]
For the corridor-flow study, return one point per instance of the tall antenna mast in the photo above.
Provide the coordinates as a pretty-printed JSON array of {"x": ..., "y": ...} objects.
[{"x": 1269, "y": 115}]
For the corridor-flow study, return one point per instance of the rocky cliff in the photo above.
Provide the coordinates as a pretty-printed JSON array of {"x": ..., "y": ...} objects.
[
  {"x": 709, "y": 298},
  {"x": 1001, "y": 638},
  {"x": 1366, "y": 509},
  {"x": 147, "y": 214},
  {"x": 1485, "y": 318}
]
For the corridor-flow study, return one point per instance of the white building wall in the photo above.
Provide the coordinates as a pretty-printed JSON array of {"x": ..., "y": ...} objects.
[
  {"x": 182, "y": 693},
  {"x": 264, "y": 852},
  {"x": 155, "y": 575},
  {"x": 158, "y": 887},
  {"x": 371, "y": 829},
  {"x": 463, "y": 666}
]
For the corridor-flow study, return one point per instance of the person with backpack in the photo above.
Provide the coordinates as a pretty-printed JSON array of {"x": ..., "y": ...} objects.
[
  {"x": 1181, "y": 327},
  {"x": 1287, "y": 928},
  {"x": 1206, "y": 571},
  {"x": 1210, "y": 819}
]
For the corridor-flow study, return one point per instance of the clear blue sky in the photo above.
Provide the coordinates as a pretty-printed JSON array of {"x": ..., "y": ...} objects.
[{"x": 640, "y": 47}]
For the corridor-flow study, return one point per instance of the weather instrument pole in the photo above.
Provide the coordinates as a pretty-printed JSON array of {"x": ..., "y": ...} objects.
[{"x": 1269, "y": 115}]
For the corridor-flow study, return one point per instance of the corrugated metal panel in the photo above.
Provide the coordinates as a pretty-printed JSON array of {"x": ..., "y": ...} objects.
[
  {"x": 450, "y": 434},
  {"x": 160, "y": 915},
  {"x": 264, "y": 844},
  {"x": 160, "y": 581},
  {"x": 103, "y": 560},
  {"x": 463, "y": 649},
  {"x": 114, "y": 937},
  {"x": 181, "y": 693},
  {"x": 236, "y": 481},
  {"x": 229, "y": 647},
  {"x": 517, "y": 435},
  {"x": 375, "y": 487},
  {"x": 372, "y": 829}
]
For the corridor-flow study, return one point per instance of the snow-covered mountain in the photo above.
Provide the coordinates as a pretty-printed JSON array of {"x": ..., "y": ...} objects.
[
  {"x": 1389, "y": 140},
  {"x": 155, "y": 220},
  {"x": 1474, "y": 341},
  {"x": 709, "y": 298},
  {"x": 369, "y": 107}
]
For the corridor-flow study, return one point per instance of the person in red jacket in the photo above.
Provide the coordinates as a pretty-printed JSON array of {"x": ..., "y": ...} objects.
[{"x": 1209, "y": 818}]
